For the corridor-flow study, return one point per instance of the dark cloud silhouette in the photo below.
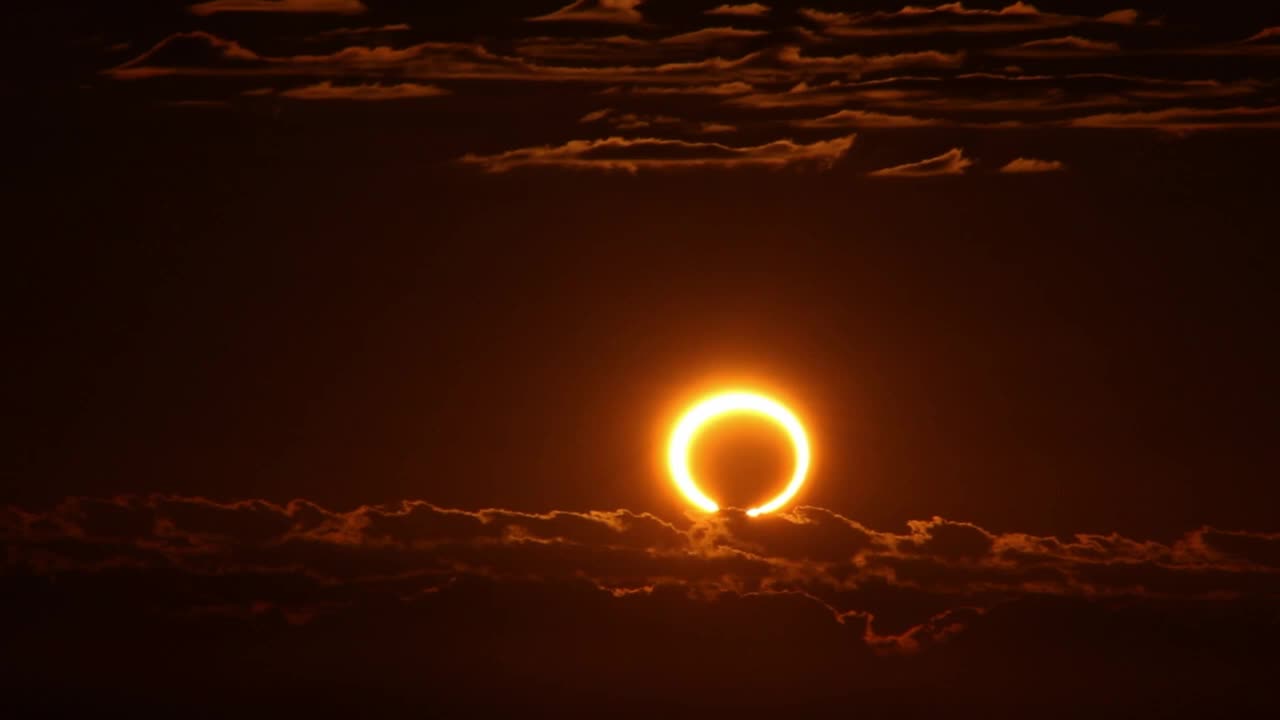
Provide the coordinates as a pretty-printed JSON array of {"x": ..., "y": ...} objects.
[
  {"x": 432, "y": 604},
  {"x": 808, "y": 549}
]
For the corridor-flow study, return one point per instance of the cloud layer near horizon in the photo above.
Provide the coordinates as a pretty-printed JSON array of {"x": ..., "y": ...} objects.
[
  {"x": 435, "y": 604},
  {"x": 834, "y": 561}
]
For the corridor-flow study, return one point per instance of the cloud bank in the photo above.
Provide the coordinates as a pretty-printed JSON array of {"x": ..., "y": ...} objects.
[{"x": 415, "y": 606}]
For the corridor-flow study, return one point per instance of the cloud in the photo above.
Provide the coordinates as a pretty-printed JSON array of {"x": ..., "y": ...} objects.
[
  {"x": 1011, "y": 94},
  {"x": 715, "y": 128},
  {"x": 953, "y": 17},
  {"x": 630, "y": 121},
  {"x": 865, "y": 119},
  {"x": 1069, "y": 46},
  {"x": 431, "y": 605},
  {"x": 1264, "y": 43},
  {"x": 829, "y": 557},
  {"x": 1270, "y": 35},
  {"x": 190, "y": 51},
  {"x": 1126, "y": 16},
  {"x": 1181, "y": 120},
  {"x": 857, "y": 64},
  {"x": 596, "y": 11},
  {"x": 627, "y": 121},
  {"x": 722, "y": 89},
  {"x": 613, "y": 48},
  {"x": 1032, "y": 165},
  {"x": 634, "y": 154},
  {"x": 357, "y": 31},
  {"x": 364, "y": 92},
  {"x": 951, "y": 162},
  {"x": 337, "y": 7},
  {"x": 201, "y": 54},
  {"x": 741, "y": 10},
  {"x": 706, "y": 36}
]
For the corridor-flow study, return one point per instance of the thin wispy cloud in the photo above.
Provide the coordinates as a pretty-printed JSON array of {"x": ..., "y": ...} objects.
[
  {"x": 954, "y": 17},
  {"x": 333, "y": 7},
  {"x": 951, "y": 162},
  {"x": 624, "y": 12},
  {"x": 865, "y": 119},
  {"x": 1185, "y": 119},
  {"x": 635, "y": 154},
  {"x": 368, "y": 92},
  {"x": 1024, "y": 165},
  {"x": 740, "y": 10}
]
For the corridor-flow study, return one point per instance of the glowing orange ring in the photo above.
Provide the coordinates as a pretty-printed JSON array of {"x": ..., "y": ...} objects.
[{"x": 716, "y": 406}]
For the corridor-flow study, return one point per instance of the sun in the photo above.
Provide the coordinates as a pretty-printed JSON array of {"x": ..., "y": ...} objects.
[{"x": 715, "y": 407}]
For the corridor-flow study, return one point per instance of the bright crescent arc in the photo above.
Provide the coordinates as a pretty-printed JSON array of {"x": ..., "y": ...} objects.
[{"x": 712, "y": 408}]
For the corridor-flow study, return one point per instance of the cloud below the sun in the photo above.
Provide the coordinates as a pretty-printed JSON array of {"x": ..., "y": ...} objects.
[{"x": 433, "y": 606}]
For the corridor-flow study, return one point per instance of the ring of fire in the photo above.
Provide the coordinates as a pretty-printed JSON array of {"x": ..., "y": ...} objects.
[{"x": 715, "y": 407}]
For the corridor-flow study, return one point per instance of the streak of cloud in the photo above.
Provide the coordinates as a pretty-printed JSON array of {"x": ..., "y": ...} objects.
[
  {"x": 596, "y": 11},
  {"x": 951, "y": 162},
  {"x": 1025, "y": 165},
  {"x": 635, "y": 154},
  {"x": 740, "y": 10},
  {"x": 334, "y": 7},
  {"x": 364, "y": 92}
]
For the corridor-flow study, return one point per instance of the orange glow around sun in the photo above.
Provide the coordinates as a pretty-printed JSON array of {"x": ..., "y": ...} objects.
[{"x": 715, "y": 407}]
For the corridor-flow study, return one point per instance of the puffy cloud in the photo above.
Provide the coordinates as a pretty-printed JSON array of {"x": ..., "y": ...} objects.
[
  {"x": 740, "y": 10},
  {"x": 364, "y": 92},
  {"x": 337, "y": 7},
  {"x": 633, "y": 154},
  {"x": 597, "y": 11},
  {"x": 951, "y": 162},
  {"x": 1032, "y": 165}
]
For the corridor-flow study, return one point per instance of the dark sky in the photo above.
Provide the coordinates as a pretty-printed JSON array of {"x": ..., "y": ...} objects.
[{"x": 1011, "y": 263}]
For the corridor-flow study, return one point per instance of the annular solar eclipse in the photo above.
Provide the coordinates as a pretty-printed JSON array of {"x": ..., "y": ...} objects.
[{"x": 707, "y": 411}]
